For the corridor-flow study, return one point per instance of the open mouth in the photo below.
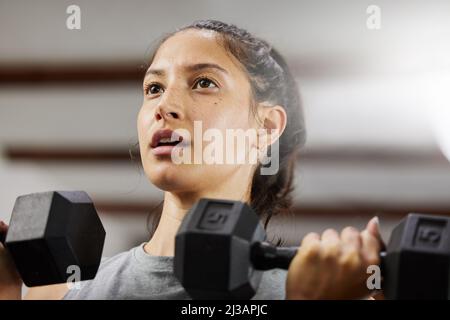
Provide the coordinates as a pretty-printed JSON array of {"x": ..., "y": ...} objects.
[
  {"x": 167, "y": 142},
  {"x": 165, "y": 137}
]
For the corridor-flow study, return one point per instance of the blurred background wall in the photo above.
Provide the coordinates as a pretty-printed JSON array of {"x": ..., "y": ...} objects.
[{"x": 69, "y": 101}]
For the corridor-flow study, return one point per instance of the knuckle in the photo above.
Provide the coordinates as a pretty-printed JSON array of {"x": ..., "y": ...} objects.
[
  {"x": 311, "y": 251},
  {"x": 330, "y": 252},
  {"x": 309, "y": 238},
  {"x": 350, "y": 230},
  {"x": 330, "y": 231}
]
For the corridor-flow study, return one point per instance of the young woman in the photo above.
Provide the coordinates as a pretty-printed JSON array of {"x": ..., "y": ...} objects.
[{"x": 225, "y": 78}]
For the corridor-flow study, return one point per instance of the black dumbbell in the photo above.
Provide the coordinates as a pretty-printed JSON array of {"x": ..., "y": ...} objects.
[
  {"x": 220, "y": 252},
  {"x": 54, "y": 234}
]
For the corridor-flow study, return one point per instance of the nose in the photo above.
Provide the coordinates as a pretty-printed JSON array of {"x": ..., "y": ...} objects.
[
  {"x": 161, "y": 113},
  {"x": 168, "y": 110}
]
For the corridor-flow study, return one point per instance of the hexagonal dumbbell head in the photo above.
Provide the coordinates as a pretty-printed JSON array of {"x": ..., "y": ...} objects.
[
  {"x": 53, "y": 233},
  {"x": 212, "y": 250},
  {"x": 417, "y": 263}
]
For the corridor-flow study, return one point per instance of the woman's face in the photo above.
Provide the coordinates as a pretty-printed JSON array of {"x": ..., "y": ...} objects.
[{"x": 192, "y": 78}]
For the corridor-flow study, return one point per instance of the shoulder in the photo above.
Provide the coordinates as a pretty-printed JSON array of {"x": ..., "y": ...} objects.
[{"x": 110, "y": 268}]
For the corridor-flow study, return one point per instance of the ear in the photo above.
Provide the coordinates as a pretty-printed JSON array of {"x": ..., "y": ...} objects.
[{"x": 274, "y": 120}]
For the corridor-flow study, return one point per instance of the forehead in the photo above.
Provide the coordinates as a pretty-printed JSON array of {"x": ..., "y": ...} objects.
[{"x": 192, "y": 46}]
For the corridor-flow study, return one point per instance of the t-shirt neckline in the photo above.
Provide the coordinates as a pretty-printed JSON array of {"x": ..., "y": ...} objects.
[{"x": 162, "y": 263}]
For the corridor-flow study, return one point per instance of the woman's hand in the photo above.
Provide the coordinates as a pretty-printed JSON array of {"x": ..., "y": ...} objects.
[
  {"x": 10, "y": 281},
  {"x": 334, "y": 266}
]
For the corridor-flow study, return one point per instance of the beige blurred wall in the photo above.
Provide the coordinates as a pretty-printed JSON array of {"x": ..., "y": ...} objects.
[{"x": 371, "y": 148}]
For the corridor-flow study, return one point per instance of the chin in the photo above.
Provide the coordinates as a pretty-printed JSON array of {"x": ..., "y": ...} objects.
[{"x": 170, "y": 177}]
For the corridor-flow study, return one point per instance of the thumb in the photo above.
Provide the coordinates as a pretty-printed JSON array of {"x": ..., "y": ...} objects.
[
  {"x": 3, "y": 231},
  {"x": 373, "y": 227}
]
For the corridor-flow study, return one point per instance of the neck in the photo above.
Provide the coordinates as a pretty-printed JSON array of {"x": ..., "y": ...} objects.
[
  {"x": 175, "y": 207},
  {"x": 162, "y": 242}
]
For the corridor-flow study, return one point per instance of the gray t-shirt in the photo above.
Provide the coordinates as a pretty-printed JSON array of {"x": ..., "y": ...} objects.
[{"x": 135, "y": 274}]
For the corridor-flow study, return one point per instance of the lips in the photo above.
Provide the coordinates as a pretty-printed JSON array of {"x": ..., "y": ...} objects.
[
  {"x": 165, "y": 137},
  {"x": 164, "y": 140}
]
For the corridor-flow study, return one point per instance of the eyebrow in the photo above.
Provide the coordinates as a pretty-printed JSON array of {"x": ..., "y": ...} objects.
[{"x": 192, "y": 68}]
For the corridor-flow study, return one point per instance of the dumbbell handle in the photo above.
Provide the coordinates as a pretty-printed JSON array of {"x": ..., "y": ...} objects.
[{"x": 265, "y": 256}]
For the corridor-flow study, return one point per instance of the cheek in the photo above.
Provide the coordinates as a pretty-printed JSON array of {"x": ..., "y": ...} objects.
[
  {"x": 143, "y": 121},
  {"x": 229, "y": 118}
]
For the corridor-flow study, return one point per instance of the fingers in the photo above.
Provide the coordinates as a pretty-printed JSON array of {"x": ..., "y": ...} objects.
[
  {"x": 351, "y": 244},
  {"x": 330, "y": 235},
  {"x": 373, "y": 226},
  {"x": 3, "y": 231},
  {"x": 311, "y": 238},
  {"x": 372, "y": 241},
  {"x": 310, "y": 248},
  {"x": 350, "y": 258},
  {"x": 3, "y": 226},
  {"x": 330, "y": 245},
  {"x": 351, "y": 237},
  {"x": 371, "y": 248},
  {"x": 335, "y": 260}
]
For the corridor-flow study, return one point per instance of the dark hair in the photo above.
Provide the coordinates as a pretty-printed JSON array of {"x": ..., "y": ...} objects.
[{"x": 271, "y": 81}]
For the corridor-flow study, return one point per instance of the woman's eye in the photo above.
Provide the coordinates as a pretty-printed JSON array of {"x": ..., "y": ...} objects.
[
  {"x": 153, "y": 89},
  {"x": 204, "y": 83}
]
